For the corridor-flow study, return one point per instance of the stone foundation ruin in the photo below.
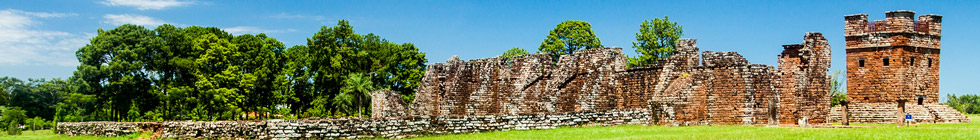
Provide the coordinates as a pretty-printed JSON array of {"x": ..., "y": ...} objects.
[
  {"x": 724, "y": 89},
  {"x": 353, "y": 128}
]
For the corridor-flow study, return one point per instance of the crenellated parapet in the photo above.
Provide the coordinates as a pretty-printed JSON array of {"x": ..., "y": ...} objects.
[{"x": 899, "y": 28}]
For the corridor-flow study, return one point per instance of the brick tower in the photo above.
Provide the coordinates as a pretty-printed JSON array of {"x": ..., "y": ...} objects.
[{"x": 895, "y": 58}]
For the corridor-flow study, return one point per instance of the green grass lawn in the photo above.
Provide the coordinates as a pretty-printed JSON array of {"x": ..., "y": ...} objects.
[
  {"x": 48, "y": 135},
  {"x": 878, "y": 131}
]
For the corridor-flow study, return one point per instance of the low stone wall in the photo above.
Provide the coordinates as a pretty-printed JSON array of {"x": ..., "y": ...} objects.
[
  {"x": 214, "y": 129},
  {"x": 888, "y": 113},
  {"x": 109, "y": 129},
  {"x": 350, "y": 128}
]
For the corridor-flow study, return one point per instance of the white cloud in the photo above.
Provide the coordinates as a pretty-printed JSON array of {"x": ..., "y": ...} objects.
[
  {"x": 252, "y": 30},
  {"x": 147, "y": 4},
  {"x": 297, "y": 16},
  {"x": 22, "y": 44},
  {"x": 132, "y": 19},
  {"x": 49, "y": 15}
]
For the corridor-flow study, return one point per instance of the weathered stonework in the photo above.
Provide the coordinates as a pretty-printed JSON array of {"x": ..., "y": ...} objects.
[
  {"x": 805, "y": 85},
  {"x": 894, "y": 59},
  {"x": 109, "y": 129},
  {"x": 387, "y": 103},
  {"x": 911, "y": 49},
  {"x": 352, "y": 128},
  {"x": 519, "y": 85},
  {"x": 726, "y": 89},
  {"x": 885, "y": 113},
  {"x": 213, "y": 129}
]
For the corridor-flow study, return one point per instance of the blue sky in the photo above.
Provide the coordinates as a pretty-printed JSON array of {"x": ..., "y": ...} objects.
[{"x": 38, "y": 38}]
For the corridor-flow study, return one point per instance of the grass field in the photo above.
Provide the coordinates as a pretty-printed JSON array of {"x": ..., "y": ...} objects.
[
  {"x": 877, "y": 131},
  {"x": 969, "y": 131},
  {"x": 48, "y": 135}
]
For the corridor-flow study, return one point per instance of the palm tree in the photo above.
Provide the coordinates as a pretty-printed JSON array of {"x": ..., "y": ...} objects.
[
  {"x": 343, "y": 102},
  {"x": 354, "y": 92}
]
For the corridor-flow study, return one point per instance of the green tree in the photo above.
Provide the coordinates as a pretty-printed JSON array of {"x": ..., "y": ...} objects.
[
  {"x": 175, "y": 66},
  {"x": 74, "y": 105},
  {"x": 3, "y": 93},
  {"x": 114, "y": 67},
  {"x": 13, "y": 118},
  {"x": 220, "y": 77},
  {"x": 514, "y": 52},
  {"x": 261, "y": 58},
  {"x": 332, "y": 53},
  {"x": 355, "y": 94},
  {"x": 964, "y": 103},
  {"x": 75, "y": 108},
  {"x": 568, "y": 37},
  {"x": 397, "y": 67},
  {"x": 36, "y": 123},
  {"x": 837, "y": 92},
  {"x": 296, "y": 91},
  {"x": 656, "y": 40},
  {"x": 130, "y": 73},
  {"x": 39, "y": 97},
  {"x": 10, "y": 88}
]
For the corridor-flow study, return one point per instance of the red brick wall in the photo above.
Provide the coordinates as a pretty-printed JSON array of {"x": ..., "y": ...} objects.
[
  {"x": 908, "y": 44},
  {"x": 902, "y": 79}
]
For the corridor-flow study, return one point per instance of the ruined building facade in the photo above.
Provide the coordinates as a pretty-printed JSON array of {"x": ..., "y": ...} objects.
[
  {"x": 723, "y": 89},
  {"x": 891, "y": 61}
]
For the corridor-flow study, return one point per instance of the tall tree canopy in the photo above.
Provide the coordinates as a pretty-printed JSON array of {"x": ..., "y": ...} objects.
[
  {"x": 655, "y": 40},
  {"x": 568, "y": 37},
  {"x": 114, "y": 65},
  {"x": 131, "y": 73},
  {"x": 337, "y": 52}
]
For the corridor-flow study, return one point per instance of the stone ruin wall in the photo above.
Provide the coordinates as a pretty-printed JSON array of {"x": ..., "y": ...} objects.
[
  {"x": 387, "y": 103},
  {"x": 354, "y": 128},
  {"x": 724, "y": 89},
  {"x": 805, "y": 84},
  {"x": 520, "y": 85}
]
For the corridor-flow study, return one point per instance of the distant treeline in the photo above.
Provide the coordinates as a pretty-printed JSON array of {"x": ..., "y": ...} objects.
[
  {"x": 131, "y": 73},
  {"x": 964, "y": 103}
]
